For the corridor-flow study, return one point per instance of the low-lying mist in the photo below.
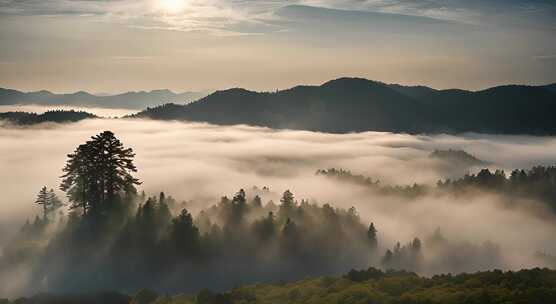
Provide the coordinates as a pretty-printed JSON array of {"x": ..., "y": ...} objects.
[{"x": 199, "y": 163}]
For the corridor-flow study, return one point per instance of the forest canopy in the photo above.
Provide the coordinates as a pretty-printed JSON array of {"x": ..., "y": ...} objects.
[
  {"x": 364, "y": 286},
  {"x": 537, "y": 183}
]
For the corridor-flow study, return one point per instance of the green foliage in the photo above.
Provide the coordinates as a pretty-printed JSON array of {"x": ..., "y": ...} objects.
[
  {"x": 144, "y": 296},
  {"x": 534, "y": 286},
  {"x": 394, "y": 287}
]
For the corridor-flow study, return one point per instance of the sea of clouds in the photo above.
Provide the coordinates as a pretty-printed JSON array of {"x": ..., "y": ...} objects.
[{"x": 199, "y": 163}]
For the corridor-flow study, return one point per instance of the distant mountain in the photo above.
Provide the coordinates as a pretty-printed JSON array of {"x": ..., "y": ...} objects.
[
  {"x": 129, "y": 100},
  {"x": 355, "y": 104},
  {"x": 412, "y": 91},
  {"x": 25, "y": 118},
  {"x": 341, "y": 105},
  {"x": 457, "y": 158}
]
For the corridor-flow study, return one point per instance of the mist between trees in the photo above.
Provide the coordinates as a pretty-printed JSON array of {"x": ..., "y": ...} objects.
[{"x": 116, "y": 237}]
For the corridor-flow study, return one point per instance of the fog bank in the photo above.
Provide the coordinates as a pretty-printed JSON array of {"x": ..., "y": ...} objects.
[{"x": 199, "y": 163}]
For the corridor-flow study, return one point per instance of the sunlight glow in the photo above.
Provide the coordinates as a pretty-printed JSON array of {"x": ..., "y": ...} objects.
[{"x": 172, "y": 6}]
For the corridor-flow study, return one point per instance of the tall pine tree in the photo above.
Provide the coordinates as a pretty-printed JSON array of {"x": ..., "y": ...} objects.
[
  {"x": 98, "y": 172},
  {"x": 49, "y": 202}
]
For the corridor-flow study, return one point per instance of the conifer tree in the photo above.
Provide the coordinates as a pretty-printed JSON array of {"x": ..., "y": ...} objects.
[
  {"x": 371, "y": 235},
  {"x": 49, "y": 202},
  {"x": 97, "y": 172}
]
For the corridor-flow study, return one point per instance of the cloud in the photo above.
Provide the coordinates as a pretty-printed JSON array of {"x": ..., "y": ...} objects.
[
  {"x": 232, "y": 17},
  {"x": 200, "y": 162},
  {"x": 216, "y": 16},
  {"x": 521, "y": 13}
]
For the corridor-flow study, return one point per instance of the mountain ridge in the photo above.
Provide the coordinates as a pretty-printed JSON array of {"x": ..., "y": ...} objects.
[
  {"x": 356, "y": 104},
  {"x": 130, "y": 100}
]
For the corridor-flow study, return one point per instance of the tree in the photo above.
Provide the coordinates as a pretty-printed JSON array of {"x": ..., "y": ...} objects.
[
  {"x": 97, "y": 172},
  {"x": 257, "y": 202},
  {"x": 287, "y": 206},
  {"x": 42, "y": 199},
  {"x": 49, "y": 201},
  {"x": 371, "y": 235},
  {"x": 264, "y": 228},
  {"x": 387, "y": 258},
  {"x": 76, "y": 181},
  {"x": 290, "y": 234},
  {"x": 416, "y": 245},
  {"x": 238, "y": 208},
  {"x": 183, "y": 234},
  {"x": 163, "y": 211},
  {"x": 287, "y": 199}
]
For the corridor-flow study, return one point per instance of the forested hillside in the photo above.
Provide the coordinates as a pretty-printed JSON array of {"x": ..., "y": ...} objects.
[
  {"x": 535, "y": 286},
  {"x": 25, "y": 118},
  {"x": 537, "y": 183},
  {"x": 354, "y": 104},
  {"x": 128, "y": 100}
]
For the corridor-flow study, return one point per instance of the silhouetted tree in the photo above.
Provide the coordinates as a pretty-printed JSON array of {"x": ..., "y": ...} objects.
[
  {"x": 183, "y": 234},
  {"x": 290, "y": 234},
  {"x": 49, "y": 202},
  {"x": 371, "y": 235},
  {"x": 97, "y": 171},
  {"x": 287, "y": 206},
  {"x": 238, "y": 208},
  {"x": 287, "y": 199}
]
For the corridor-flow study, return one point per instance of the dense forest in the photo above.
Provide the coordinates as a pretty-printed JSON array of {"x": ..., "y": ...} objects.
[
  {"x": 25, "y": 118},
  {"x": 116, "y": 237},
  {"x": 533, "y": 286},
  {"x": 353, "y": 104},
  {"x": 538, "y": 183}
]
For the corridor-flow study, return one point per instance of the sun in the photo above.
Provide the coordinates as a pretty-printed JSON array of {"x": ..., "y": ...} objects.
[{"x": 172, "y": 6}]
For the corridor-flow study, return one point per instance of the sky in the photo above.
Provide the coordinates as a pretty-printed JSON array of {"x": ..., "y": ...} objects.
[{"x": 111, "y": 46}]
